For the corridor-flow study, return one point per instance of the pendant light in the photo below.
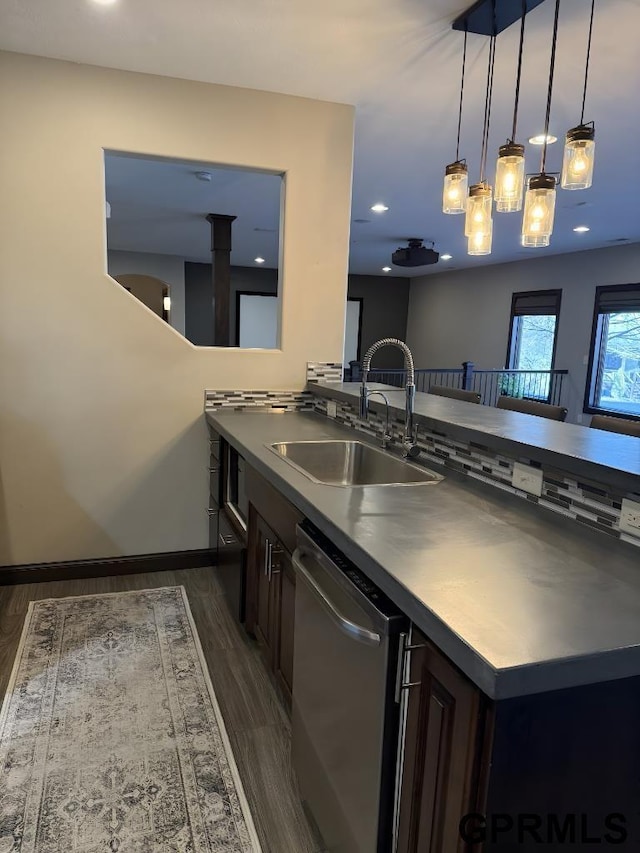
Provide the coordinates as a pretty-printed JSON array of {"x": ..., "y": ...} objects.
[
  {"x": 580, "y": 145},
  {"x": 479, "y": 222},
  {"x": 456, "y": 178},
  {"x": 510, "y": 165},
  {"x": 540, "y": 199}
]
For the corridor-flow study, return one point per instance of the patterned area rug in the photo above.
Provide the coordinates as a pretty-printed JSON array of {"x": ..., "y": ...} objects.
[{"x": 111, "y": 739}]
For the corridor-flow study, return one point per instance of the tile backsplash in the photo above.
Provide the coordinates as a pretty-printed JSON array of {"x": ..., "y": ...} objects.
[
  {"x": 586, "y": 502},
  {"x": 288, "y": 401},
  {"x": 324, "y": 371}
]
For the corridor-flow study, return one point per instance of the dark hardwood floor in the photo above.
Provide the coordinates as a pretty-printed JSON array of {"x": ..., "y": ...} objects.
[{"x": 257, "y": 724}]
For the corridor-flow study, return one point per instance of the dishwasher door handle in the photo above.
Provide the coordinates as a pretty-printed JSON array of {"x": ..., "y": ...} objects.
[{"x": 356, "y": 632}]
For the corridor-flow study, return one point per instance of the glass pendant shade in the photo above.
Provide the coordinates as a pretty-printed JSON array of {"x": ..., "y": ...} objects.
[
  {"x": 578, "y": 160},
  {"x": 456, "y": 182},
  {"x": 478, "y": 208},
  {"x": 478, "y": 223},
  {"x": 539, "y": 210},
  {"x": 509, "y": 178},
  {"x": 479, "y": 241}
]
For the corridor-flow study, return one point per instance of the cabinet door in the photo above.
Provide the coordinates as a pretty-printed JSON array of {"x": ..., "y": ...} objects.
[
  {"x": 447, "y": 725},
  {"x": 285, "y": 608}
]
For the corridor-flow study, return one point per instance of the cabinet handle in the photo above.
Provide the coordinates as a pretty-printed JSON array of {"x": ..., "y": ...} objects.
[
  {"x": 228, "y": 539},
  {"x": 272, "y": 571},
  {"x": 405, "y": 646},
  {"x": 266, "y": 557},
  {"x": 212, "y": 512},
  {"x": 214, "y": 470}
]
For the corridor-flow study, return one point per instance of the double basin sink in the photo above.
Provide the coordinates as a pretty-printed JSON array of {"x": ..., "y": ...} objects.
[{"x": 351, "y": 463}]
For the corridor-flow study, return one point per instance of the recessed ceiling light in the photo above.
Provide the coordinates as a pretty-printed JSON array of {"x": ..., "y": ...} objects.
[
  {"x": 379, "y": 208},
  {"x": 581, "y": 229},
  {"x": 445, "y": 257},
  {"x": 104, "y": 2},
  {"x": 259, "y": 260},
  {"x": 539, "y": 139},
  {"x": 386, "y": 269}
]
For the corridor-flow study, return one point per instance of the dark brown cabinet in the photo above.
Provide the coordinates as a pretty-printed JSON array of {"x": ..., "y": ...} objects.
[
  {"x": 447, "y": 726},
  {"x": 263, "y": 585},
  {"x": 270, "y": 588}
]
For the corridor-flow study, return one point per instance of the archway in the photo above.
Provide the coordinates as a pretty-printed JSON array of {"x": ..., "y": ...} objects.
[{"x": 151, "y": 291}]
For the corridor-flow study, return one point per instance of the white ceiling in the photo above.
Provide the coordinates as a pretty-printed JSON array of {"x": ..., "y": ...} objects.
[
  {"x": 160, "y": 206},
  {"x": 399, "y": 63}
]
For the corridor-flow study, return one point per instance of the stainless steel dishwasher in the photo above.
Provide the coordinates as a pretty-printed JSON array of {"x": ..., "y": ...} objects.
[{"x": 345, "y": 715}]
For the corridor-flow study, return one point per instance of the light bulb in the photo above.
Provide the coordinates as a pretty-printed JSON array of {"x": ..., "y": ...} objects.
[
  {"x": 454, "y": 193},
  {"x": 478, "y": 222},
  {"x": 539, "y": 211},
  {"x": 479, "y": 242},
  {"x": 578, "y": 158},
  {"x": 509, "y": 177},
  {"x": 478, "y": 208}
]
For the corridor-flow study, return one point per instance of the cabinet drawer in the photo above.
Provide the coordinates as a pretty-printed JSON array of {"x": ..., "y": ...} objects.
[
  {"x": 214, "y": 444},
  {"x": 215, "y": 480},
  {"x": 227, "y": 536},
  {"x": 275, "y": 509}
]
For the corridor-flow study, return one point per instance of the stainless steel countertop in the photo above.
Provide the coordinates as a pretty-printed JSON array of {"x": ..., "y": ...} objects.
[
  {"x": 594, "y": 454},
  {"x": 522, "y": 600}
]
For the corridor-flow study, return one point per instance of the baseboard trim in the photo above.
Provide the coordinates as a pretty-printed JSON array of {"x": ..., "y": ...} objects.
[{"x": 105, "y": 567}]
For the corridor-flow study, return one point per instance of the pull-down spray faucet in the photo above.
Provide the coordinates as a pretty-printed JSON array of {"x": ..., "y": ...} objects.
[{"x": 410, "y": 389}]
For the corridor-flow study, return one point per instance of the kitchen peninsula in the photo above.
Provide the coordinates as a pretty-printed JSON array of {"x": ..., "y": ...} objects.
[{"x": 525, "y": 623}]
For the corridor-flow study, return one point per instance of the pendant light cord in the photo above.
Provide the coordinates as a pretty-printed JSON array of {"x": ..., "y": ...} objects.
[
  {"x": 464, "y": 62},
  {"x": 586, "y": 70},
  {"x": 552, "y": 64},
  {"x": 487, "y": 107},
  {"x": 519, "y": 72}
]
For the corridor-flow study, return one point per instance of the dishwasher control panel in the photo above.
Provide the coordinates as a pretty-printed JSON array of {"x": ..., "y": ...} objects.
[{"x": 372, "y": 593}]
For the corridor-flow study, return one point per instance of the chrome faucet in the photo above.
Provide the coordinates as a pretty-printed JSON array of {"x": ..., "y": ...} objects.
[
  {"x": 386, "y": 435},
  {"x": 410, "y": 389}
]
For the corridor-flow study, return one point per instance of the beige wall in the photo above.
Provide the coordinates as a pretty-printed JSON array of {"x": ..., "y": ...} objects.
[
  {"x": 103, "y": 446},
  {"x": 463, "y": 315}
]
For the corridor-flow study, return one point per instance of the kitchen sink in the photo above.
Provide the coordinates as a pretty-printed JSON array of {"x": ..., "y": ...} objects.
[{"x": 351, "y": 463}]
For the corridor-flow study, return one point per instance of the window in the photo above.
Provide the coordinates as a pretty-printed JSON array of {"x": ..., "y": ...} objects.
[
  {"x": 533, "y": 331},
  {"x": 614, "y": 363}
]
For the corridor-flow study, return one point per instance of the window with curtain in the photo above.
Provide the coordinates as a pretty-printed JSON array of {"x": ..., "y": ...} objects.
[
  {"x": 533, "y": 330},
  {"x": 613, "y": 382}
]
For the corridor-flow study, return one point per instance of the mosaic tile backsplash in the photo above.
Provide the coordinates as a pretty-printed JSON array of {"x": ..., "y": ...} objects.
[
  {"x": 288, "y": 401},
  {"x": 583, "y": 501},
  {"x": 324, "y": 371}
]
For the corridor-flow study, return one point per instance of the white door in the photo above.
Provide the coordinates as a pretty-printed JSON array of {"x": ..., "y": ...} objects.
[{"x": 258, "y": 322}]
